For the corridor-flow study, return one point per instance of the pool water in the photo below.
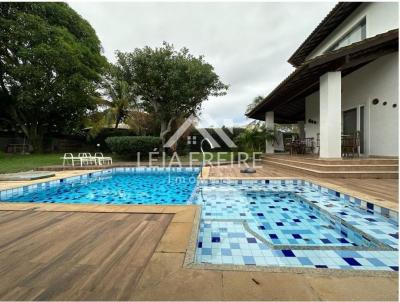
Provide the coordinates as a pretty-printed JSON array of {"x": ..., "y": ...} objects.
[
  {"x": 291, "y": 224},
  {"x": 119, "y": 187},
  {"x": 281, "y": 219}
]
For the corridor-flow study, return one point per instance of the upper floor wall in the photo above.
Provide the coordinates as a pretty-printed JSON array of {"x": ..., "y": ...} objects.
[{"x": 379, "y": 17}]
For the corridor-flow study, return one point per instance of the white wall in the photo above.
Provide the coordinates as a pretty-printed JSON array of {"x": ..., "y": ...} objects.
[
  {"x": 378, "y": 79},
  {"x": 312, "y": 112},
  {"x": 380, "y": 17}
]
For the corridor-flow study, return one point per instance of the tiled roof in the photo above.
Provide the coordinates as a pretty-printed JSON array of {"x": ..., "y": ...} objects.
[
  {"x": 336, "y": 16},
  {"x": 304, "y": 80}
]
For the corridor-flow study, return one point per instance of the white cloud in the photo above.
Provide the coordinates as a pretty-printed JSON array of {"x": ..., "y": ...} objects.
[{"x": 247, "y": 43}]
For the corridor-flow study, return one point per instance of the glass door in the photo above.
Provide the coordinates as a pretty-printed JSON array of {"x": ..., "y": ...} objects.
[{"x": 350, "y": 121}]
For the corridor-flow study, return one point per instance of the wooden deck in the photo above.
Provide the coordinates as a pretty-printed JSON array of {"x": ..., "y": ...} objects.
[
  {"x": 75, "y": 255},
  {"x": 384, "y": 191}
]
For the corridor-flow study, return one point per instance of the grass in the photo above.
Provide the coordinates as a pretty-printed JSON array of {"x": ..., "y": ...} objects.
[{"x": 10, "y": 163}]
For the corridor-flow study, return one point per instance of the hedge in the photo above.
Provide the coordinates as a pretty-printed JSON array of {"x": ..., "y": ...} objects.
[
  {"x": 130, "y": 145},
  {"x": 101, "y": 136}
]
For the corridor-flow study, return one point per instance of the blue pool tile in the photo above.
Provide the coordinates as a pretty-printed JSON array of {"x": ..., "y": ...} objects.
[
  {"x": 234, "y": 245},
  {"x": 206, "y": 251},
  {"x": 352, "y": 261},
  {"x": 375, "y": 262},
  {"x": 305, "y": 261},
  {"x": 249, "y": 260},
  {"x": 226, "y": 252},
  {"x": 215, "y": 239},
  {"x": 251, "y": 240},
  {"x": 288, "y": 253}
]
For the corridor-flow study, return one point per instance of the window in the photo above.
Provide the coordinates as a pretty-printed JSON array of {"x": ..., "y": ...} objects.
[{"x": 356, "y": 34}]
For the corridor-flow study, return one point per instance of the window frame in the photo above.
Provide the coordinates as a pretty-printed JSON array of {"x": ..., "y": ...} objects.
[{"x": 346, "y": 35}]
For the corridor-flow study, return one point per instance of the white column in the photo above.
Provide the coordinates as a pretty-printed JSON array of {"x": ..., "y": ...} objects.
[
  {"x": 302, "y": 133},
  {"x": 330, "y": 113},
  {"x": 269, "y": 124}
]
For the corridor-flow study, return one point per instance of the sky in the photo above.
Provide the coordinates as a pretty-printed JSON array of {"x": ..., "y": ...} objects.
[{"x": 247, "y": 43}]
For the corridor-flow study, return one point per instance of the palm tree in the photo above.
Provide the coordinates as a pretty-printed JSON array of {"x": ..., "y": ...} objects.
[
  {"x": 253, "y": 138},
  {"x": 254, "y": 103},
  {"x": 118, "y": 97}
]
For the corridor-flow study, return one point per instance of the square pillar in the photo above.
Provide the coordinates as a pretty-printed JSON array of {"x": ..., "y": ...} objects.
[
  {"x": 330, "y": 114},
  {"x": 302, "y": 133},
  {"x": 269, "y": 124}
]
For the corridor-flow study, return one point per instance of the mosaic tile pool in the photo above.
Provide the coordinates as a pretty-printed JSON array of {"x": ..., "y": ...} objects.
[
  {"x": 292, "y": 224},
  {"x": 114, "y": 186},
  {"x": 269, "y": 223}
]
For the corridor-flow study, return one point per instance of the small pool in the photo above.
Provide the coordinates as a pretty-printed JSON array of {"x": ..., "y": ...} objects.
[
  {"x": 292, "y": 223},
  {"x": 267, "y": 223}
]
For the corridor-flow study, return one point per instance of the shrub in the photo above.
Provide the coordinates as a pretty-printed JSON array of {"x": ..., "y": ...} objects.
[
  {"x": 130, "y": 145},
  {"x": 100, "y": 136}
]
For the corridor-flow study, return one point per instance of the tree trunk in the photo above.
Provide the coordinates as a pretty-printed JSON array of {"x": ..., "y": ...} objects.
[
  {"x": 35, "y": 137},
  {"x": 165, "y": 129}
]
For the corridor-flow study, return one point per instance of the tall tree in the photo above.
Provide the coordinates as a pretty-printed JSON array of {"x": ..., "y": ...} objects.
[
  {"x": 119, "y": 96},
  {"x": 171, "y": 83},
  {"x": 50, "y": 61}
]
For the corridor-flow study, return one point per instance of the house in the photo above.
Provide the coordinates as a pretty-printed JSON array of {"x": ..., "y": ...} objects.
[{"x": 346, "y": 80}]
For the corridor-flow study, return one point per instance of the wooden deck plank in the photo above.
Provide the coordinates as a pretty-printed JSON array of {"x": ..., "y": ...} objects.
[{"x": 75, "y": 255}]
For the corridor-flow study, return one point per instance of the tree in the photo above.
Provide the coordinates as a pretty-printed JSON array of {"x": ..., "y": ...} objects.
[
  {"x": 254, "y": 103},
  {"x": 171, "y": 84},
  {"x": 253, "y": 138},
  {"x": 142, "y": 123},
  {"x": 50, "y": 61},
  {"x": 120, "y": 99}
]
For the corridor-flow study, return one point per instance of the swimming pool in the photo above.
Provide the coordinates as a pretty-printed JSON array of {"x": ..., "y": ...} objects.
[
  {"x": 265, "y": 223},
  {"x": 292, "y": 223},
  {"x": 115, "y": 186}
]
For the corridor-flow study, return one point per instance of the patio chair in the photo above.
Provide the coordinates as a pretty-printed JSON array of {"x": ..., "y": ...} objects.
[
  {"x": 350, "y": 145},
  {"x": 102, "y": 159},
  {"x": 87, "y": 158},
  {"x": 308, "y": 145},
  {"x": 70, "y": 157},
  {"x": 288, "y": 145}
]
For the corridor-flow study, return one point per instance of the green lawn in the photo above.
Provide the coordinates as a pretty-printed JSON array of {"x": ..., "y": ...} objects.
[
  {"x": 10, "y": 163},
  {"x": 18, "y": 162}
]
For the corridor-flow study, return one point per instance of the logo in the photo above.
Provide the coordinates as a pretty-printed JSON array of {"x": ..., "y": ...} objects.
[{"x": 193, "y": 121}]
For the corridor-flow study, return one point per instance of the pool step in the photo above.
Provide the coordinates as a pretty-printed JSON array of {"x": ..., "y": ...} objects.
[
  {"x": 336, "y": 168},
  {"x": 344, "y": 165}
]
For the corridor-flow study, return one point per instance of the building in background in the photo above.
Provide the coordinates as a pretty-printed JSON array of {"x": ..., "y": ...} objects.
[{"x": 345, "y": 82}]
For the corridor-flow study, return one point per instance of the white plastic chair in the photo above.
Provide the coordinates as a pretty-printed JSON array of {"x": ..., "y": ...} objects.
[
  {"x": 102, "y": 159},
  {"x": 70, "y": 157}
]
